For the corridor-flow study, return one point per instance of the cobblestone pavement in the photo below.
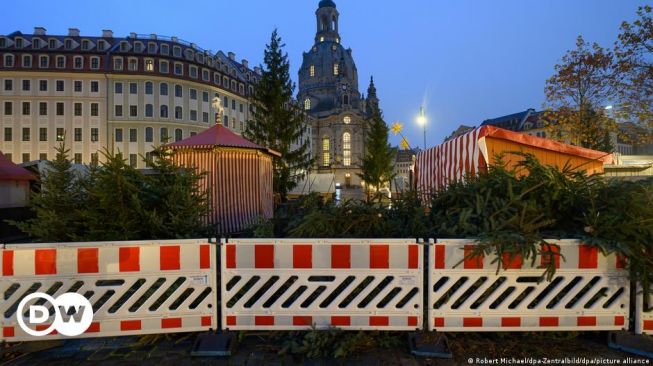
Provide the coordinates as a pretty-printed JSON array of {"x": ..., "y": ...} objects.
[{"x": 174, "y": 349}]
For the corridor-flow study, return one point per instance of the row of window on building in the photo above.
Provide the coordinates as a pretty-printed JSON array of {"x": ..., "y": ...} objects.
[
  {"x": 336, "y": 70},
  {"x": 43, "y": 134},
  {"x": 77, "y": 158},
  {"x": 346, "y": 150},
  {"x": 43, "y": 109},
  {"x": 43, "y": 85}
]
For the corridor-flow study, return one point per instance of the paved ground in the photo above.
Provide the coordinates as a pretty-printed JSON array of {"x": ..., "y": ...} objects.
[{"x": 256, "y": 350}]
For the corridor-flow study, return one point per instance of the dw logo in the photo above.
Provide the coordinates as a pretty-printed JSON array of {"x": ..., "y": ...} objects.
[{"x": 73, "y": 314}]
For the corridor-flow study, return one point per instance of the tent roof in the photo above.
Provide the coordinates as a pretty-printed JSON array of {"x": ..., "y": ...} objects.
[
  {"x": 218, "y": 135},
  {"x": 11, "y": 171},
  {"x": 543, "y": 143}
]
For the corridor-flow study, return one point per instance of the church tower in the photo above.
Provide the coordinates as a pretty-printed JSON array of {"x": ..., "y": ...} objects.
[{"x": 329, "y": 94}]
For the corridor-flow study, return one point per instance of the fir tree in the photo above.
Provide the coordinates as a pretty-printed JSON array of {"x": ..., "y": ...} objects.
[
  {"x": 56, "y": 205},
  {"x": 278, "y": 121},
  {"x": 377, "y": 164}
]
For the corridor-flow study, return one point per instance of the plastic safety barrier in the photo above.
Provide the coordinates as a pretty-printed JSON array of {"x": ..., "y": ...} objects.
[
  {"x": 134, "y": 287},
  {"x": 643, "y": 313},
  {"x": 350, "y": 284},
  {"x": 588, "y": 292}
]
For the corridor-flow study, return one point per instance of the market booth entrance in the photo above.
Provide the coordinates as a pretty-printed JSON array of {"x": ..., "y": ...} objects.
[{"x": 238, "y": 177}]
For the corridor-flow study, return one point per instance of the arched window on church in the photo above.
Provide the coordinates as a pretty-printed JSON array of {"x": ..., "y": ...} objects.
[
  {"x": 345, "y": 100},
  {"x": 346, "y": 148},
  {"x": 336, "y": 69},
  {"x": 312, "y": 71},
  {"x": 307, "y": 103},
  {"x": 326, "y": 151}
]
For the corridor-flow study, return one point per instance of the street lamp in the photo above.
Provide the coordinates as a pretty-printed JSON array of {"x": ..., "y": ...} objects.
[{"x": 421, "y": 119}]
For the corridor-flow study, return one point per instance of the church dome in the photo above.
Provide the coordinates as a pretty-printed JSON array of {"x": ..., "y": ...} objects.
[{"x": 327, "y": 4}]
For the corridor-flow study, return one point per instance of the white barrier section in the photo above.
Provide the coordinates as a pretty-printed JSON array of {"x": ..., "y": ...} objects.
[
  {"x": 643, "y": 313},
  {"x": 588, "y": 292},
  {"x": 287, "y": 284},
  {"x": 134, "y": 287}
]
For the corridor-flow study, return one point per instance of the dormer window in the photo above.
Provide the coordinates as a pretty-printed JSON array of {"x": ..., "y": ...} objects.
[
  {"x": 85, "y": 45},
  {"x": 138, "y": 47},
  {"x": 19, "y": 43},
  {"x": 165, "y": 49},
  {"x": 176, "y": 51},
  {"x": 151, "y": 47},
  {"x": 52, "y": 44},
  {"x": 200, "y": 58},
  {"x": 3, "y": 42},
  {"x": 68, "y": 44},
  {"x": 101, "y": 45},
  {"x": 123, "y": 46},
  {"x": 36, "y": 43},
  {"x": 189, "y": 54}
]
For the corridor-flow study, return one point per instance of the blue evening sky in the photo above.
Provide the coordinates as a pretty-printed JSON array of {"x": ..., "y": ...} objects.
[{"x": 465, "y": 60}]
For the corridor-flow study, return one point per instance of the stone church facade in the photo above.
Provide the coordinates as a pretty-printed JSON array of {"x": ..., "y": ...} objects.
[{"x": 329, "y": 93}]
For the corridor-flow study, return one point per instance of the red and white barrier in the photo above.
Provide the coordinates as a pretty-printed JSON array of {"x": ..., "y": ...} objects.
[
  {"x": 344, "y": 283},
  {"x": 134, "y": 287},
  {"x": 643, "y": 313},
  {"x": 589, "y": 291}
]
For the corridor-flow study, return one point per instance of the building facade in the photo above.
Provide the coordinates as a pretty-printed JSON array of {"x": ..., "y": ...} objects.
[
  {"x": 125, "y": 94},
  {"x": 329, "y": 93}
]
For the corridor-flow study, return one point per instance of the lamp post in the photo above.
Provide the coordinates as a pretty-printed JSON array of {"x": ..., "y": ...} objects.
[{"x": 421, "y": 119}]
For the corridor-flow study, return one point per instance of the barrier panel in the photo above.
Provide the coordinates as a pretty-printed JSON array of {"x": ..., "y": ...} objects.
[
  {"x": 352, "y": 284},
  {"x": 588, "y": 292},
  {"x": 643, "y": 313},
  {"x": 134, "y": 287}
]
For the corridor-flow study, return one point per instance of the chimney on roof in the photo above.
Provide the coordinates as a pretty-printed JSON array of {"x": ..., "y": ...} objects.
[
  {"x": 73, "y": 32},
  {"x": 107, "y": 33},
  {"x": 174, "y": 39},
  {"x": 132, "y": 35},
  {"x": 153, "y": 36},
  {"x": 193, "y": 46},
  {"x": 232, "y": 56},
  {"x": 257, "y": 70},
  {"x": 39, "y": 31},
  {"x": 245, "y": 63}
]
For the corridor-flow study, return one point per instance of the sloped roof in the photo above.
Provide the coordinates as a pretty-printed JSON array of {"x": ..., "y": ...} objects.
[
  {"x": 218, "y": 136},
  {"x": 11, "y": 171}
]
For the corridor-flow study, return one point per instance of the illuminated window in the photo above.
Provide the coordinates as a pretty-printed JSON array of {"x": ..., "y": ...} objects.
[
  {"x": 312, "y": 71},
  {"x": 321, "y": 39},
  {"x": 149, "y": 65},
  {"x": 346, "y": 148},
  {"x": 347, "y": 120},
  {"x": 307, "y": 104},
  {"x": 336, "y": 69},
  {"x": 326, "y": 156}
]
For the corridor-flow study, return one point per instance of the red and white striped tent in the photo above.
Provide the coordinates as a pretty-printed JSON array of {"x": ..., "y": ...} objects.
[
  {"x": 238, "y": 176},
  {"x": 472, "y": 152}
]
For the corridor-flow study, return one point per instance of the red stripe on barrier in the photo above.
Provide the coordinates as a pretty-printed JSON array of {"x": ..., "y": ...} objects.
[
  {"x": 87, "y": 260},
  {"x": 130, "y": 325},
  {"x": 302, "y": 256},
  {"x": 549, "y": 321},
  {"x": 207, "y": 321},
  {"x": 588, "y": 257},
  {"x": 231, "y": 320},
  {"x": 231, "y": 256},
  {"x": 511, "y": 321},
  {"x": 170, "y": 258},
  {"x": 413, "y": 256},
  {"x": 264, "y": 320},
  {"x": 622, "y": 262},
  {"x": 379, "y": 256},
  {"x": 341, "y": 256},
  {"x": 472, "y": 322},
  {"x": 472, "y": 263},
  {"x": 648, "y": 325},
  {"x": 42, "y": 327},
  {"x": 301, "y": 321},
  {"x": 45, "y": 261},
  {"x": 129, "y": 259},
  {"x": 264, "y": 256},
  {"x": 619, "y": 320},
  {"x": 8, "y": 332},
  {"x": 205, "y": 256},
  {"x": 439, "y": 256},
  {"x": 8, "y": 263},
  {"x": 93, "y": 328},
  {"x": 171, "y": 323},
  {"x": 340, "y": 321},
  {"x": 553, "y": 253},
  {"x": 379, "y": 321},
  {"x": 438, "y": 322},
  {"x": 586, "y": 321},
  {"x": 411, "y": 321},
  {"x": 515, "y": 263}
]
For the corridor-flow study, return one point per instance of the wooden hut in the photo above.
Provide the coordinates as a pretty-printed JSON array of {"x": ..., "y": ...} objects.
[
  {"x": 472, "y": 152},
  {"x": 238, "y": 176},
  {"x": 14, "y": 184}
]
